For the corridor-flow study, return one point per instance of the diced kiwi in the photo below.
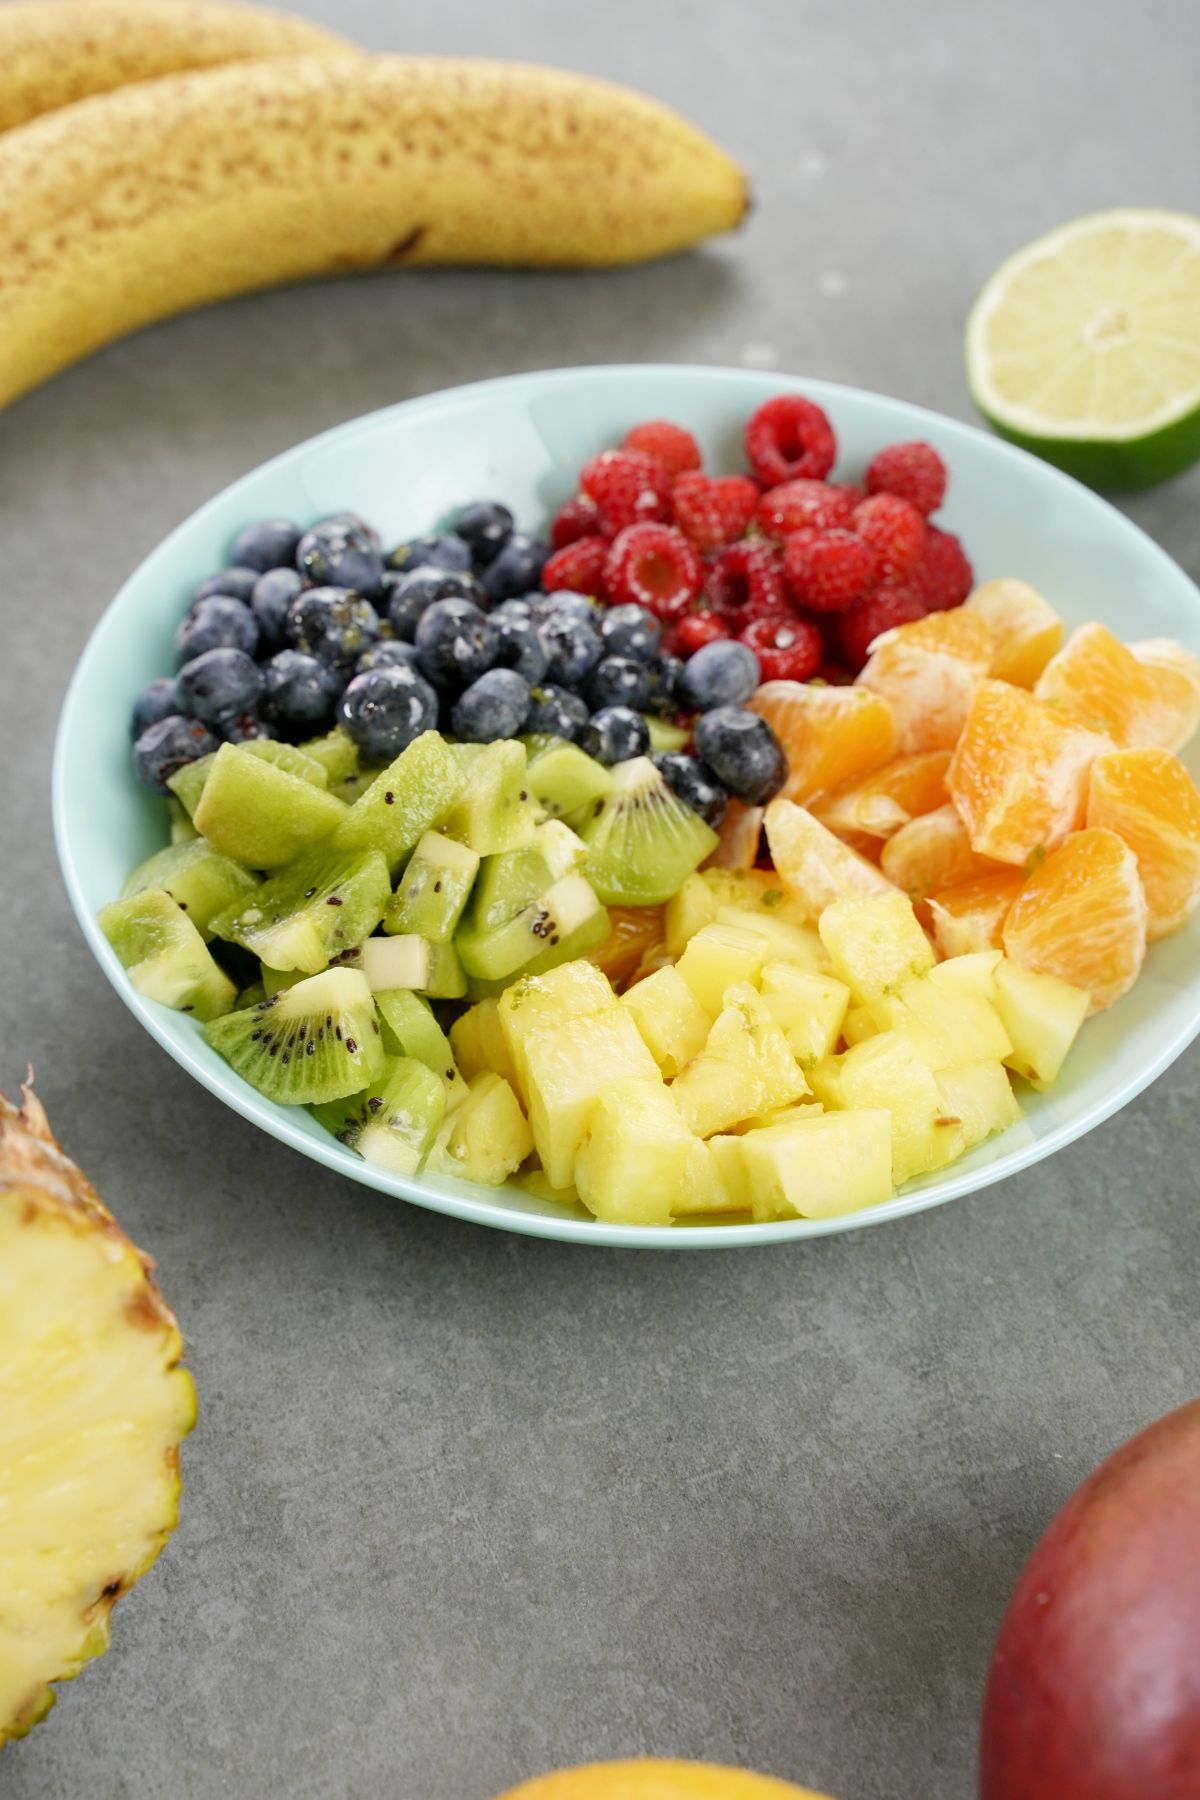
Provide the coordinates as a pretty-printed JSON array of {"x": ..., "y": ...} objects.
[
  {"x": 164, "y": 954},
  {"x": 594, "y": 929},
  {"x": 394, "y": 1122},
  {"x": 562, "y": 777},
  {"x": 198, "y": 878},
  {"x": 434, "y": 889},
  {"x": 495, "y": 811},
  {"x": 410, "y": 1029},
  {"x": 317, "y": 1041},
  {"x": 312, "y": 912},
  {"x": 250, "y": 996},
  {"x": 642, "y": 842},
  {"x": 414, "y": 793},
  {"x": 562, "y": 910},
  {"x": 179, "y": 822},
  {"x": 258, "y": 813},
  {"x": 510, "y": 881},
  {"x": 447, "y": 977},
  {"x": 336, "y": 753},
  {"x": 187, "y": 784},
  {"x": 665, "y": 736},
  {"x": 274, "y": 981},
  {"x": 397, "y": 962}
]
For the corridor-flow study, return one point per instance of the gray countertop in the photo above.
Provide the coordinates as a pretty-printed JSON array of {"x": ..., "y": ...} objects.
[{"x": 461, "y": 1507}]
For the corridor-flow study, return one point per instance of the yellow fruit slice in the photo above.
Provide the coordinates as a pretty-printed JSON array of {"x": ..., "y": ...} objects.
[{"x": 651, "y": 1779}]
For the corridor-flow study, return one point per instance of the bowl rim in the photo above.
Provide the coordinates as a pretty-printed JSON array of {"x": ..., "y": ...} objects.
[{"x": 464, "y": 1200}]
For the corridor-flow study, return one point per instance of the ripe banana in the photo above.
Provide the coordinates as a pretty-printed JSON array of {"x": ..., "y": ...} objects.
[
  {"x": 55, "y": 51},
  {"x": 135, "y": 205}
]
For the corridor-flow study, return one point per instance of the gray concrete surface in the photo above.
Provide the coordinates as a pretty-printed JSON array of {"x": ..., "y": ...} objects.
[{"x": 462, "y": 1507}]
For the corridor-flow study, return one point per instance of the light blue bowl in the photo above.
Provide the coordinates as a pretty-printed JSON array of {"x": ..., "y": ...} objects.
[{"x": 522, "y": 440}]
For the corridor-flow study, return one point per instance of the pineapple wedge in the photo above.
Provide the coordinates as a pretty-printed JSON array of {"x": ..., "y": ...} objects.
[
  {"x": 874, "y": 943},
  {"x": 949, "y": 1026},
  {"x": 888, "y": 1072},
  {"x": 1042, "y": 1016},
  {"x": 746, "y": 1068},
  {"x": 809, "y": 1009},
  {"x": 818, "y": 1166},
  {"x": 979, "y": 1095},
  {"x": 671, "y": 1020},
  {"x": 634, "y": 1166},
  {"x": 719, "y": 957},
  {"x": 486, "y": 1138}
]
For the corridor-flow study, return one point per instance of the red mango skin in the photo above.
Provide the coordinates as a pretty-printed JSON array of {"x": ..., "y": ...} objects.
[{"x": 1094, "y": 1686}]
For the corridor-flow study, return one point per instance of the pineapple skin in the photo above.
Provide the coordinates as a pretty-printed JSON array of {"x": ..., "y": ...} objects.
[{"x": 40, "y": 1187}]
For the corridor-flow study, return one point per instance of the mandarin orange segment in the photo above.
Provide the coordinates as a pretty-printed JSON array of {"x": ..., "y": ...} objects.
[
  {"x": 1019, "y": 774},
  {"x": 1165, "y": 653},
  {"x": 928, "y": 671},
  {"x": 883, "y": 802},
  {"x": 1148, "y": 798},
  {"x": 830, "y": 735},
  {"x": 970, "y": 915},
  {"x": 739, "y": 835},
  {"x": 815, "y": 867},
  {"x": 635, "y": 933},
  {"x": 1099, "y": 682},
  {"x": 1082, "y": 916},
  {"x": 930, "y": 853},
  {"x": 1026, "y": 629}
]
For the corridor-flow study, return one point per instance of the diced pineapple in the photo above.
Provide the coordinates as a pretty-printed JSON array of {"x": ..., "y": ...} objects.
[
  {"x": 479, "y": 1044},
  {"x": 717, "y": 958},
  {"x": 689, "y": 910},
  {"x": 780, "y": 1115},
  {"x": 979, "y": 1095},
  {"x": 974, "y": 973},
  {"x": 749, "y": 890},
  {"x": 809, "y": 1009},
  {"x": 726, "y": 1153},
  {"x": 817, "y": 1167},
  {"x": 860, "y": 1022},
  {"x": 1041, "y": 1015},
  {"x": 537, "y": 1002},
  {"x": 488, "y": 1137},
  {"x": 789, "y": 942},
  {"x": 671, "y": 1020},
  {"x": 949, "y": 1026},
  {"x": 874, "y": 943},
  {"x": 535, "y": 1181},
  {"x": 632, "y": 1166},
  {"x": 705, "y": 1190},
  {"x": 746, "y": 1068},
  {"x": 887, "y": 1071}
]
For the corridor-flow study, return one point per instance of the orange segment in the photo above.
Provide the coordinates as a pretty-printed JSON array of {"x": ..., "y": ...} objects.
[
  {"x": 1097, "y": 681},
  {"x": 636, "y": 932},
  {"x": 928, "y": 671},
  {"x": 1165, "y": 653},
  {"x": 931, "y": 853},
  {"x": 1019, "y": 774},
  {"x": 883, "y": 802},
  {"x": 1026, "y": 629},
  {"x": 815, "y": 867},
  {"x": 830, "y": 735},
  {"x": 970, "y": 915},
  {"x": 1148, "y": 798},
  {"x": 1082, "y": 916},
  {"x": 740, "y": 834}
]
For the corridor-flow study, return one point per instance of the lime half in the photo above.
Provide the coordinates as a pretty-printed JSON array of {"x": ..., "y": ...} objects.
[{"x": 1085, "y": 347}]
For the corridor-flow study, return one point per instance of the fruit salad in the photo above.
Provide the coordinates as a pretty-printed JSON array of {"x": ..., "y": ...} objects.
[{"x": 731, "y": 855}]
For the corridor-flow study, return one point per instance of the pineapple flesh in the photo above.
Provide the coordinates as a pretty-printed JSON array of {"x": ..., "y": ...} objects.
[{"x": 93, "y": 1405}]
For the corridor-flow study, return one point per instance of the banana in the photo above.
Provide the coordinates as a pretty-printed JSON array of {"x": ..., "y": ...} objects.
[
  {"x": 55, "y": 51},
  {"x": 132, "y": 206}
]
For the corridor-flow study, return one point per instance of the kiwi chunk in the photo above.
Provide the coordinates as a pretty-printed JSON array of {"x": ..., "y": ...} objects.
[
  {"x": 275, "y": 980},
  {"x": 313, "y": 911},
  {"x": 187, "y": 784},
  {"x": 493, "y": 951},
  {"x": 642, "y": 842},
  {"x": 562, "y": 777},
  {"x": 198, "y": 878},
  {"x": 593, "y": 930},
  {"x": 414, "y": 793},
  {"x": 164, "y": 954},
  {"x": 410, "y": 1029},
  {"x": 179, "y": 822},
  {"x": 317, "y": 1041},
  {"x": 397, "y": 962},
  {"x": 434, "y": 889},
  {"x": 336, "y": 753},
  {"x": 258, "y": 813},
  {"x": 447, "y": 977},
  {"x": 664, "y": 735},
  {"x": 495, "y": 811},
  {"x": 394, "y": 1122}
]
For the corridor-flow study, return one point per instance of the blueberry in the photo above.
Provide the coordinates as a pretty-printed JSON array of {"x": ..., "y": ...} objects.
[
  {"x": 562, "y": 603},
  {"x": 572, "y": 648},
  {"x": 385, "y": 709},
  {"x": 619, "y": 681},
  {"x": 158, "y": 701},
  {"x": 723, "y": 673},
  {"x": 237, "y": 582},
  {"x": 219, "y": 682},
  {"x": 332, "y": 623},
  {"x": 267, "y": 544},
  {"x": 456, "y": 642},
  {"x": 743, "y": 753},
  {"x": 356, "y": 522},
  {"x": 339, "y": 553},
  {"x": 694, "y": 784},
  {"x": 516, "y": 569},
  {"x": 614, "y": 734},
  {"x": 409, "y": 595},
  {"x": 556, "y": 712},
  {"x": 442, "y": 550},
  {"x": 486, "y": 527},
  {"x": 519, "y": 647},
  {"x": 493, "y": 707},
  {"x": 522, "y": 609},
  {"x": 298, "y": 690},
  {"x": 166, "y": 746},
  {"x": 216, "y": 623},
  {"x": 387, "y": 653},
  {"x": 630, "y": 631},
  {"x": 665, "y": 672},
  {"x": 273, "y": 593},
  {"x": 242, "y": 728}
]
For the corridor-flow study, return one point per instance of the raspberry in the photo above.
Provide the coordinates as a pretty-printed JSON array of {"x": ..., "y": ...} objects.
[
  {"x": 944, "y": 577},
  {"x": 578, "y": 518},
  {"x": 710, "y": 512},
  {"x": 827, "y": 571},
  {"x": 895, "y": 531},
  {"x": 833, "y": 674},
  {"x": 653, "y": 566},
  {"x": 670, "y": 445},
  {"x": 628, "y": 487},
  {"x": 699, "y": 629},
  {"x": 914, "y": 472},
  {"x": 790, "y": 439},
  {"x": 796, "y": 504},
  {"x": 578, "y": 567},
  {"x": 892, "y": 604},
  {"x": 745, "y": 582},
  {"x": 787, "y": 649}
]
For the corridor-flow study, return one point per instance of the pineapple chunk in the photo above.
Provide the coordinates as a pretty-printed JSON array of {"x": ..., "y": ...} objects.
[
  {"x": 974, "y": 973},
  {"x": 789, "y": 942},
  {"x": 979, "y": 1095},
  {"x": 689, "y": 910},
  {"x": 817, "y": 1167},
  {"x": 719, "y": 957},
  {"x": 726, "y": 1153},
  {"x": 633, "y": 1165},
  {"x": 948, "y": 1026},
  {"x": 479, "y": 1044},
  {"x": 860, "y": 1022},
  {"x": 705, "y": 1188},
  {"x": 671, "y": 1020},
  {"x": 488, "y": 1137},
  {"x": 538, "y": 1003},
  {"x": 809, "y": 1009},
  {"x": 746, "y": 1068},
  {"x": 756, "y": 891},
  {"x": 1041, "y": 1015},
  {"x": 536, "y": 1182},
  {"x": 874, "y": 943},
  {"x": 887, "y": 1071}
]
